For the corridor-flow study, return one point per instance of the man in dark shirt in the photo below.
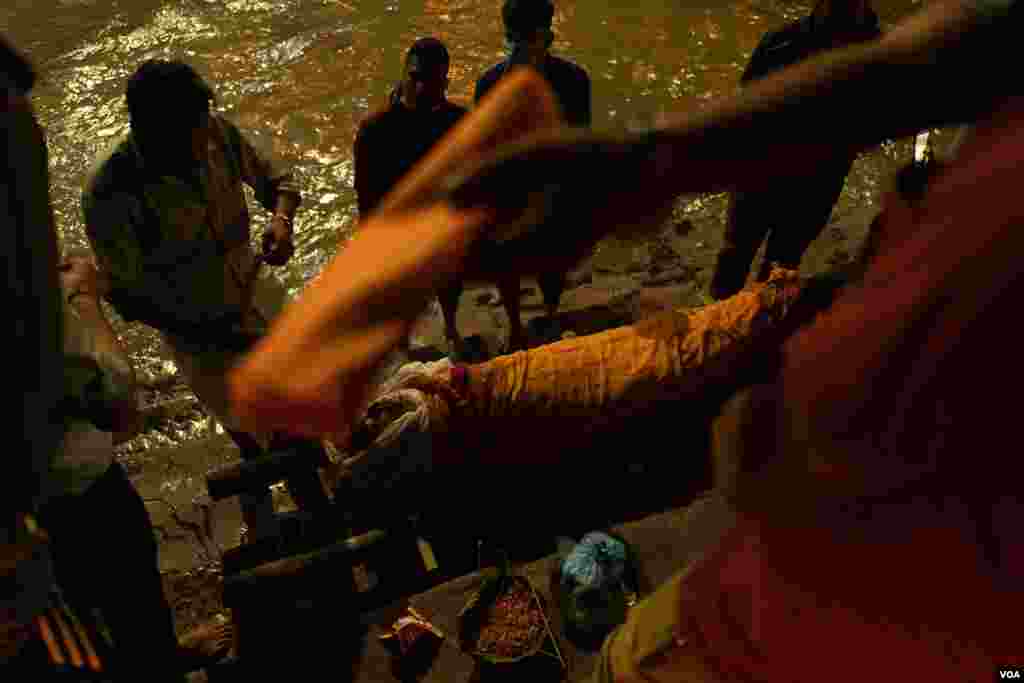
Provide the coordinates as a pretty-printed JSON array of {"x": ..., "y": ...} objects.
[
  {"x": 792, "y": 214},
  {"x": 392, "y": 140},
  {"x": 529, "y": 37}
]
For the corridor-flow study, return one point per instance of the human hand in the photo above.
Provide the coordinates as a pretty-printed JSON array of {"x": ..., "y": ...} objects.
[{"x": 278, "y": 246}]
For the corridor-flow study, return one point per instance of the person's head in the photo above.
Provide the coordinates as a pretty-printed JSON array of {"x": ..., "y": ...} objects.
[
  {"x": 169, "y": 110},
  {"x": 425, "y": 78},
  {"x": 528, "y": 29}
]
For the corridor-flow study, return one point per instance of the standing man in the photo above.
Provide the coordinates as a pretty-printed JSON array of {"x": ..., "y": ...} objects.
[
  {"x": 167, "y": 217},
  {"x": 417, "y": 115},
  {"x": 528, "y": 36},
  {"x": 790, "y": 214}
]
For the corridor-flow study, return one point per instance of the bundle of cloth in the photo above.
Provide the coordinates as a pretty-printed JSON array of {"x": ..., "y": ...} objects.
[{"x": 588, "y": 382}]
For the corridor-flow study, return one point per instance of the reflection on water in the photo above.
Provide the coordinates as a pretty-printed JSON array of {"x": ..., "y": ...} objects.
[{"x": 300, "y": 74}]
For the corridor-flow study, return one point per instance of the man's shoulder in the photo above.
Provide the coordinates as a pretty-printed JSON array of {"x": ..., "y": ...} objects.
[
  {"x": 381, "y": 117},
  {"x": 567, "y": 70},
  {"x": 491, "y": 76},
  {"x": 780, "y": 48},
  {"x": 792, "y": 34}
]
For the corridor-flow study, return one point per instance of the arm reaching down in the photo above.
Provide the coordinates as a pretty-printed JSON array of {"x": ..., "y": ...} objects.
[{"x": 83, "y": 287}]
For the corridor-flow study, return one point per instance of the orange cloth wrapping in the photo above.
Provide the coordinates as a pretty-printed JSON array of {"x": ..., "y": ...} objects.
[{"x": 672, "y": 356}]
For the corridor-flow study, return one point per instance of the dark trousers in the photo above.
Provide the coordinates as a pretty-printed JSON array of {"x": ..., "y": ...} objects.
[
  {"x": 789, "y": 219},
  {"x": 105, "y": 557}
]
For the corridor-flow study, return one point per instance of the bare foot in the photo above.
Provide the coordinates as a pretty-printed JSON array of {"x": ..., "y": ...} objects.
[{"x": 205, "y": 644}]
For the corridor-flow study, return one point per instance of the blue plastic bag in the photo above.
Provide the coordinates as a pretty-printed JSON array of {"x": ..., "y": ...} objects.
[{"x": 598, "y": 582}]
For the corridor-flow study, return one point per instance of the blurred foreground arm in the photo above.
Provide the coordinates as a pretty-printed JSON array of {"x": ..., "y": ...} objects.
[
  {"x": 83, "y": 287},
  {"x": 310, "y": 375},
  {"x": 920, "y": 75},
  {"x": 311, "y": 371}
]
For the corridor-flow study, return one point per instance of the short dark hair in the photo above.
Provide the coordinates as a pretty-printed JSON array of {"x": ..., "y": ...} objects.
[
  {"x": 161, "y": 90},
  {"x": 523, "y": 17},
  {"x": 432, "y": 53}
]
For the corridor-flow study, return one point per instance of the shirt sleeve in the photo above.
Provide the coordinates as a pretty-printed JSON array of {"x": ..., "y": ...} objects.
[
  {"x": 112, "y": 224},
  {"x": 264, "y": 175}
]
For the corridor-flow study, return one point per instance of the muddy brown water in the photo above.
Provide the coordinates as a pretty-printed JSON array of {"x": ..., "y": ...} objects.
[{"x": 298, "y": 75}]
